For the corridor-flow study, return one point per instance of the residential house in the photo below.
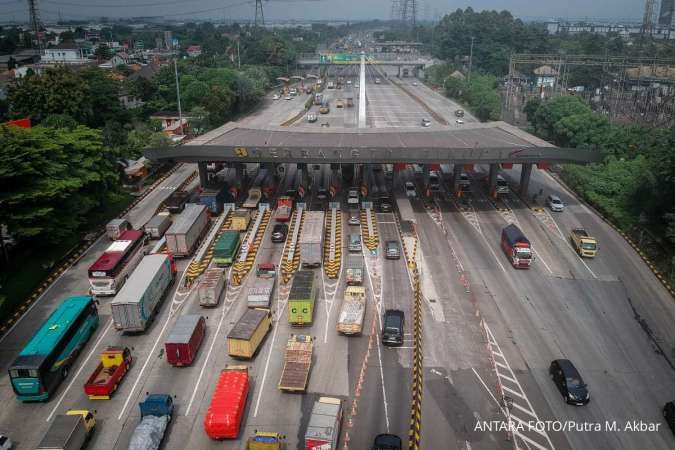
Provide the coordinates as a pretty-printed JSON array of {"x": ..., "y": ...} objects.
[
  {"x": 113, "y": 62},
  {"x": 172, "y": 125},
  {"x": 20, "y": 58},
  {"x": 148, "y": 71},
  {"x": 194, "y": 51},
  {"x": 66, "y": 53}
]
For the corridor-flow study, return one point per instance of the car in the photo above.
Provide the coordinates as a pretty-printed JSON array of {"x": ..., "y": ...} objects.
[
  {"x": 288, "y": 97},
  {"x": 426, "y": 123},
  {"x": 387, "y": 442},
  {"x": 356, "y": 85},
  {"x": 464, "y": 179},
  {"x": 392, "y": 250},
  {"x": 325, "y": 124},
  {"x": 410, "y": 189},
  {"x": 554, "y": 203},
  {"x": 354, "y": 218},
  {"x": 377, "y": 81},
  {"x": 354, "y": 243},
  {"x": 5, "y": 442},
  {"x": 339, "y": 103},
  {"x": 459, "y": 113},
  {"x": 669, "y": 415},
  {"x": 392, "y": 327},
  {"x": 311, "y": 118},
  {"x": 279, "y": 233},
  {"x": 569, "y": 382},
  {"x": 414, "y": 83},
  {"x": 459, "y": 121},
  {"x": 276, "y": 97}
]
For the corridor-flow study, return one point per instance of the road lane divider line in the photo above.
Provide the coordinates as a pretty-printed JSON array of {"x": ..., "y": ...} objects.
[{"x": 77, "y": 374}]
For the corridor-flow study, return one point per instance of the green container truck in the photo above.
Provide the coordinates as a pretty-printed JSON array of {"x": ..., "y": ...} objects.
[
  {"x": 302, "y": 298},
  {"x": 226, "y": 248}
]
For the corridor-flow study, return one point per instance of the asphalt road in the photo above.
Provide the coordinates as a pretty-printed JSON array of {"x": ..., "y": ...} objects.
[{"x": 489, "y": 330}]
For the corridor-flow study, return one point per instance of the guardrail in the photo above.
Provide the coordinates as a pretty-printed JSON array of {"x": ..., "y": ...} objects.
[
  {"x": 332, "y": 257},
  {"x": 249, "y": 248},
  {"x": 291, "y": 260}
]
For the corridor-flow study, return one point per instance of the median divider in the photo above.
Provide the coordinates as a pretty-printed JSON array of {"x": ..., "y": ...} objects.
[
  {"x": 249, "y": 247},
  {"x": 205, "y": 253},
  {"x": 332, "y": 249},
  {"x": 369, "y": 232},
  {"x": 291, "y": 258}
]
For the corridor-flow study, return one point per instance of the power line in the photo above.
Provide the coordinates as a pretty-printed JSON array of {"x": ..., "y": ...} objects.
[{"x": 127, "y": 5}]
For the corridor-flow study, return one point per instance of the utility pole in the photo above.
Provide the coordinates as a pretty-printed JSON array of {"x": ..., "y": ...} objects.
[
  {"x": 468, "y": 78},
  {"x": 238, "y": 54},
  {"x": 180, "y": 111},
  {"x": 34, "y": 18}
]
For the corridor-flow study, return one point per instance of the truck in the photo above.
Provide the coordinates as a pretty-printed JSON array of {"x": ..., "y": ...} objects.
[
  {"x": 516, "y": 247},
  {"x": 240, "y": 219},
  {"x": 248, "y": 333},
  {"x": 157, "y": 226},
  {"x": 354, "y": 271},
  {"x": 260, "y": 294},
  {"x": 176, "y": 202},
  {"x": 352, "y": 311},
  {"x": 323, "y": 430},
  {"x": 211, "y": 287},
  {"x": 214, "y": 199},
  {"x": 135, "y": 305},
  {"x": 69, "y": 431},
  {"x": 254, "y": 196},
  {"x": 226, "y": 247},
  {"x": 265, "y": 440},
  {"x": 297, "y": 363},
  {"x": 115, "y": 362},
  {"x": 301, "y": 299},
  {"x": 583, "y": 243},
  {"x": 187, "y": 230},
  {"x": 223, "y": 418},
  {"x": 116, "y": 227},
  {"x": 311, "y": 239},
  {"x": 156, "y": 413},
  {"x": 183, "y": 342},
  {"x": 284, "y": 209},
  {"x": 350, "y": 102}
]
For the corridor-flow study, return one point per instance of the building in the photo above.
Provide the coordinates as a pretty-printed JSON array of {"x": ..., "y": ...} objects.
[
  {"x": 546, "y": 76},
  {"x": 116, "y": 60},
  {"x": 148, "y": 72},
  {"x": 194, "y": 51},
  {"x": 66, "y": 53},
  {"x": 172, "y": 125},
  {"x": 168, "y": 39},
  {"x": 667, "y": 13},
  {"x": 19, "y": 59}
]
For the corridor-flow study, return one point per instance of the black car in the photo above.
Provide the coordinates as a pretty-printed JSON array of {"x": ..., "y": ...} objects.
[
  {"x": 392, "y": 331},
  {"x": 569, "y": 382},
  {"x": 279, "y": 232},
  {"x": 669, "y": 415},
  {"x": 387, "y": 442}
]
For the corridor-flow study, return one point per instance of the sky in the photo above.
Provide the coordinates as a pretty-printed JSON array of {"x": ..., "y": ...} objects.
[{"x": 315, "y": 9}]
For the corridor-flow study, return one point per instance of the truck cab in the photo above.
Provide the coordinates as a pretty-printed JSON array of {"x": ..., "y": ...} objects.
[
  {"x": 584, "y": 244},
  {"x": 87, "y": 418},
  {"x": 157, "y": 405}
]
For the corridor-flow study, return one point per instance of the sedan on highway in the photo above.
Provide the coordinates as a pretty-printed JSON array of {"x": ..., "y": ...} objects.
[
  {"x": 387, "y": 442},
  {"x": 311, "y": 118},
  {"x": 414, "y": 83},
  {"x": 459, "y": 122},
  {"x": 354, "y": 218},
  {"x": 393, "y": 250},
  {"x": 276, "y": 97},
  {"x": 279, "y": 233},
  {"x": 410, "y": 189},
  {"x": 288, "y": 97},
  {"x": 426, "y": 123},
  {"x": 569, "y": 382}
]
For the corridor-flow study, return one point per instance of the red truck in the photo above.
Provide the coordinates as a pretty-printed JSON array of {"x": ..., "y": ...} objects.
[
  {"x": 284, "y": 209},
  {"x": 516, "y": 247},
  {"x": 115, "y": 363},
  {"x": 223, "y": 418},
  {"x": 185, "y": 339}
]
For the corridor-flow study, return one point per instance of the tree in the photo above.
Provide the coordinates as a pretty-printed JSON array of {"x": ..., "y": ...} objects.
[
  {"x": 59, "y": 121},
  {"x": 103, "y": 52},
  {"x": 454, "y": 87},
  {"x": 51, "y": 178},
  {"x": 104, "y": 94}
]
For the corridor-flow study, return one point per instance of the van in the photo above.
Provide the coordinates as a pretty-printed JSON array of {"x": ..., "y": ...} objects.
[
  {"x": 392, "y": 327},
  {"x": 354, "y": 242}
]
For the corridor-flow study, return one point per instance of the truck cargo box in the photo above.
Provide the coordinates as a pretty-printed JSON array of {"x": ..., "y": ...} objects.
[
  {"x": 116, "y": 227},
  {"x": 260, "y": 294},
  {"x": 214, "y": 199},
  {"x": 211, "y": 287},
  {"x": 156, "y": 411},
  {"x": 240, "y": 219},
  {"x": 302, "y": 298},
  {"x": 223, "y": 418},
  {"x": 297, "y": 363},
  {"x": 323, "y": 430},
  {"x": 352, "y": 311},
  {"x": 176, "y": 201},
  {"x": 516, "y": 247},
  {"x": 248, "y": 333},
  {"x": 311, "y": 239},
  {"x": 187, "y": 230},
  {"x": 185, "y": 339},
  {"x": 135, "y": 305},
  {"x": 226, "y": 247},
  {"x": 157, "y": 226},
  {"x": 66, "y": 432}
]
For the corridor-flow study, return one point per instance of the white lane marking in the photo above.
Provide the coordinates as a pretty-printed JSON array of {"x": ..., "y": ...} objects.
[
  {"x": 494, "y": 255},
  {"x": 542, "y": 260},
  {"x": 499, "y": 405},
  {"x": 570, "y": 245},
  {"x": 77, "y": 374},
  {"x": 37, "y": 300},
  {"x": 208, "y": 354},
  {"x": 384, "y": 391}
]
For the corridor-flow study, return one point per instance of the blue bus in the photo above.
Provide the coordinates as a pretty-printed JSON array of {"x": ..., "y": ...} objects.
[{"x": 48, "y": 356}]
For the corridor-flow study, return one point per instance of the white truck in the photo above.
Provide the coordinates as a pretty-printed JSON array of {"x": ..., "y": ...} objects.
[
  {"x": 311, "y": 239},
  {"x": 254, "y": 196},
  {"x": 355, "y": 271},
  {"x": 211, "y": 287},
  {"x": 260, "y": 294},
  {"x": 352, "y": 311}
]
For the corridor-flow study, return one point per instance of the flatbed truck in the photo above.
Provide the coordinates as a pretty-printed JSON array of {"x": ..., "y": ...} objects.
[
  {"x": 297, "y": 363},
  {"x": 115, "y": 362}
]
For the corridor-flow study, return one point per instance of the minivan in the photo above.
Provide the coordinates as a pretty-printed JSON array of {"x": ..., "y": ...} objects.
[
  {"x": 387, "y": 442},
  {"x": 354, "y": 242},
  {"x": 554, "y": 203},
  {"x": 392, "y": 327},
  {"x": 569, "y": 382}
]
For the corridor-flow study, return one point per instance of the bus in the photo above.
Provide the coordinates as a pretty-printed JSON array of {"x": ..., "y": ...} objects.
[
  {"x": 49, "y": 355},
  {"x": 110, "y": 271}
]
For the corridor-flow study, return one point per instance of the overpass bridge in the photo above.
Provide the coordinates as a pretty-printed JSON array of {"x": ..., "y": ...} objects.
[{"x": 492, "y": 143}]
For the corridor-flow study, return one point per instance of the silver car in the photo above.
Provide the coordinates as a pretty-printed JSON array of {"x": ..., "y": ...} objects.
[{"x": 554, "y": 203}]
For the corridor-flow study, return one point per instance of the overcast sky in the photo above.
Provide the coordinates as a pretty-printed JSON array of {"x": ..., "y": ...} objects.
[{"x": 315, "y": 9}]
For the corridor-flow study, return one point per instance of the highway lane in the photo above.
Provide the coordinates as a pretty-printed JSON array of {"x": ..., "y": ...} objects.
[{"x": 387, "y": 106}]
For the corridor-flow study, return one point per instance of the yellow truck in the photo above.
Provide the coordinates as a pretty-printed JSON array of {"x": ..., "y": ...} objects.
[
  {"x": 240, "y": 220},
  {"x": 583, "y": 243},
  {"x": 248, "y": 333},
  {"x": 263, "y": 440},
  {"x": 352, "y": 311}
]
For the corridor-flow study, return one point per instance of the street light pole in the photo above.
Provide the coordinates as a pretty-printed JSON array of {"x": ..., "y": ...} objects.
[
  {"x": 470, "y": 60},
  {"x": 180, "y": 111}
]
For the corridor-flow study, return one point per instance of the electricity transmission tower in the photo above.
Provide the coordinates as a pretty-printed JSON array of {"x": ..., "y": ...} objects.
[
  {"x": 405, "y": 11},
  {"x": 34, "y": 18},
  {"x": 649, "y": 19},
  {"x": 259, "y": 15}
]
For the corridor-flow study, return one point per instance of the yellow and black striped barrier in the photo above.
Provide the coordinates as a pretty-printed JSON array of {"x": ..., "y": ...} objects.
[
  {"x": 332, "y": 266},
  {"x": 290, "y": 264},
  {"x": 370, "y": 237},
  {"x": 415, "y": 432},
  {"x": 196, "y": 268},
  {"x": 241, "y": 268}
]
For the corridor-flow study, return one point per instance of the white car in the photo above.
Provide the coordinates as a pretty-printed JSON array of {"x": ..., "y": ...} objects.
[
  {"x": 410, "y": 189},
  {"x": 426, "y": 123},
  {"x": 5, "y": 442},
  {"x": 459, "y": 121},
  {"x": 288, "y": 97},
  {"x": 311, "y": 118},
  {"x": 276, "y": 97},
  {"x": 414, "y": 83}
]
